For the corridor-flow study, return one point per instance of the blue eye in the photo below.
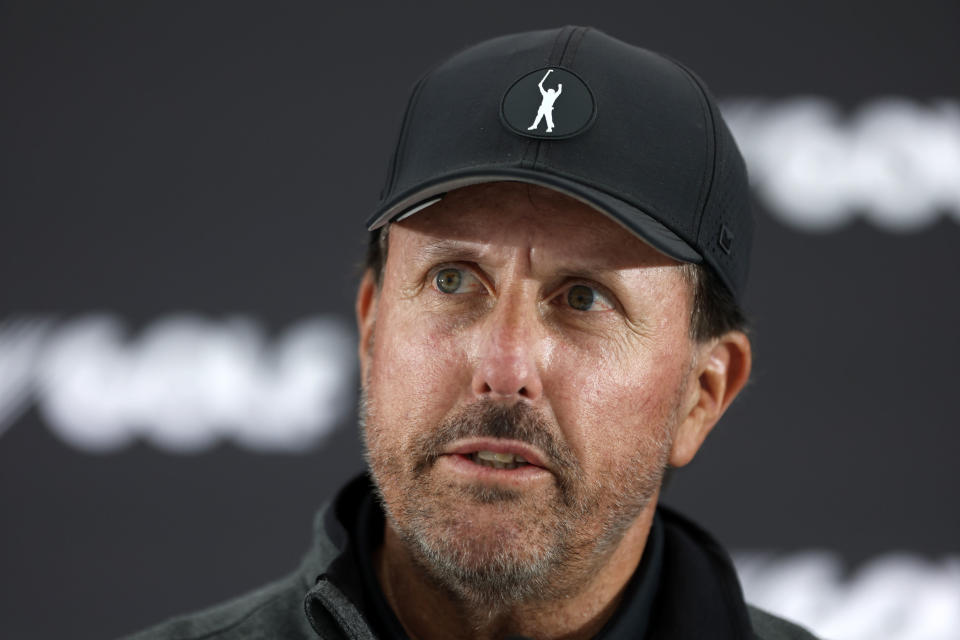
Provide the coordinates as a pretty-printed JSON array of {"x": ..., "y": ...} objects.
[
  {"x": 452, "y": 280},
  {"x": 584, "y": 298}
]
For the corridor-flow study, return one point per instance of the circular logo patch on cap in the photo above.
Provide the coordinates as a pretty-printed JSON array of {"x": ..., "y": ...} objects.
[{"x": 548, "y": 103}]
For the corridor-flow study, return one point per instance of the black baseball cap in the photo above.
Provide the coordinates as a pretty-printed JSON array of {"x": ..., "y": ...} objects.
[{"x": 629, "y": 131}]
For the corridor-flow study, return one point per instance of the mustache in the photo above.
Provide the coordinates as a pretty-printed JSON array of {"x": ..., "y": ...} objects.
[{"x": 487, "y": 419}]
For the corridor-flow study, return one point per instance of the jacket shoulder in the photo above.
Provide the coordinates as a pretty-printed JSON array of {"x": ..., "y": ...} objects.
[
  {"x": 767, "y": 626},
  {"x": 275, "y": 610}
]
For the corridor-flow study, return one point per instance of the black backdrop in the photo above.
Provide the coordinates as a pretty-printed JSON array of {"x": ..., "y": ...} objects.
[{"x": 217, "y": 159}]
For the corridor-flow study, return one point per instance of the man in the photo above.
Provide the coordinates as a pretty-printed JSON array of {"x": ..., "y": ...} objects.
[
  {"x": 547, "y": 322},
  {"x": 546, "y": 107}
]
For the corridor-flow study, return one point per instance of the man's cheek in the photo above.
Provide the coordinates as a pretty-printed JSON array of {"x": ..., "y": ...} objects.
[
  {"x": 611, "y": 399},
  {"x": 423, "y": 365}
]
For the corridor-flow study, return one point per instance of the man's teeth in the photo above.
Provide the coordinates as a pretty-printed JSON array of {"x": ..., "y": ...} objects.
[{"x": 498, "y": 460}]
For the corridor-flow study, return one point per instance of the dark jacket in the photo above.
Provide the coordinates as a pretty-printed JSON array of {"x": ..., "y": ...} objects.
[{"x": 698, "y": 595}]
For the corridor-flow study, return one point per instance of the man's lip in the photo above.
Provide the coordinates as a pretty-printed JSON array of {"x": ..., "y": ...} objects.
[{"x": 496, "y": 445}]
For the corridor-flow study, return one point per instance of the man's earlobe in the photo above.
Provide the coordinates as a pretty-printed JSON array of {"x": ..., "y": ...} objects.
[
  {"x": 366, "y": 310},
  {"x": 722, "y": 370}
]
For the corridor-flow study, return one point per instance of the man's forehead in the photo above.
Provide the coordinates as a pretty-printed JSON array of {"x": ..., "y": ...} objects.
[{"x": 481, "y": 220}]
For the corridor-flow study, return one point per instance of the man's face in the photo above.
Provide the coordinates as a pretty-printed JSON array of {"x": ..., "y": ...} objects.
[{"x": 512, "y": 319}]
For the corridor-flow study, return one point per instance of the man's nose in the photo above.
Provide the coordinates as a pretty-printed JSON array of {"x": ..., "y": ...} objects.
[{"x": 508, "y": 368}]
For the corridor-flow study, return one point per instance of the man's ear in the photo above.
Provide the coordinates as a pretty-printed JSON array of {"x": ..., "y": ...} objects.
[
  {"x": 366, "y": 309},
  {"x": 720, "y": 372}
]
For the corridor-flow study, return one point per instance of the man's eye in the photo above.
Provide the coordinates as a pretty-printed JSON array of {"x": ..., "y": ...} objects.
[
  {"x": 452, "y": 280},
  {"x": 584, "y": 298}
]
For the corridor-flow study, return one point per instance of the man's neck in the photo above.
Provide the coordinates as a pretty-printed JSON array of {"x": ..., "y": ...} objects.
[{"x": 428, "y": 611}]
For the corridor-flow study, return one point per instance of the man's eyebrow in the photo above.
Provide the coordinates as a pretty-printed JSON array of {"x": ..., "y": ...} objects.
[
  {"x": 587, "y": 267},
  {"x": 443, "y": 249},
  {"x": 601, "y": 273}
]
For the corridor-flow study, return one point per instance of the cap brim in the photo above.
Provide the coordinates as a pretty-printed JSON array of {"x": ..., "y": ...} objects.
[{"x": 634, "y": 219}]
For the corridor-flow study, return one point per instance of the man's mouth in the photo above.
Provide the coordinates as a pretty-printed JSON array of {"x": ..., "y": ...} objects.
[
  {"x": 498, "y": 456},
  {"x": 498, "y": 460}
]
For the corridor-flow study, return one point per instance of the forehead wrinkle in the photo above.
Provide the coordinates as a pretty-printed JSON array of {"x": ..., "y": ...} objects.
[
  {"x": 537, "y": 225},
  {"x": 590, "y": 260}
]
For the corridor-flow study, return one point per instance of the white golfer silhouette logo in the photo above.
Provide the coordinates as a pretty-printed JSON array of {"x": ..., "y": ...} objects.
[{"x": 546, "y": 106}]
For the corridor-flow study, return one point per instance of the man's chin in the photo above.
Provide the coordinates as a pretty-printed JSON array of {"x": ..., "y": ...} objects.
[
  {"x": 486, "y": 544},
  {"x": 489, "y": 563},
  {"x": 486, "y": 521}
]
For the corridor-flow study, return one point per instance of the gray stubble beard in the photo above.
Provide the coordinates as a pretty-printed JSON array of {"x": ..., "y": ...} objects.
[{"x": 541, "y": 568}]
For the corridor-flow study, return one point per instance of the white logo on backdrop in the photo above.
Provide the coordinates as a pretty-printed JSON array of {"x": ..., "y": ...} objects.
[
  {"x": 183, "y": 384},
  {"x": 546, "y": 105},
  {"x": 893, "y": 162},
  {"x": 891, "y": 597}
]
